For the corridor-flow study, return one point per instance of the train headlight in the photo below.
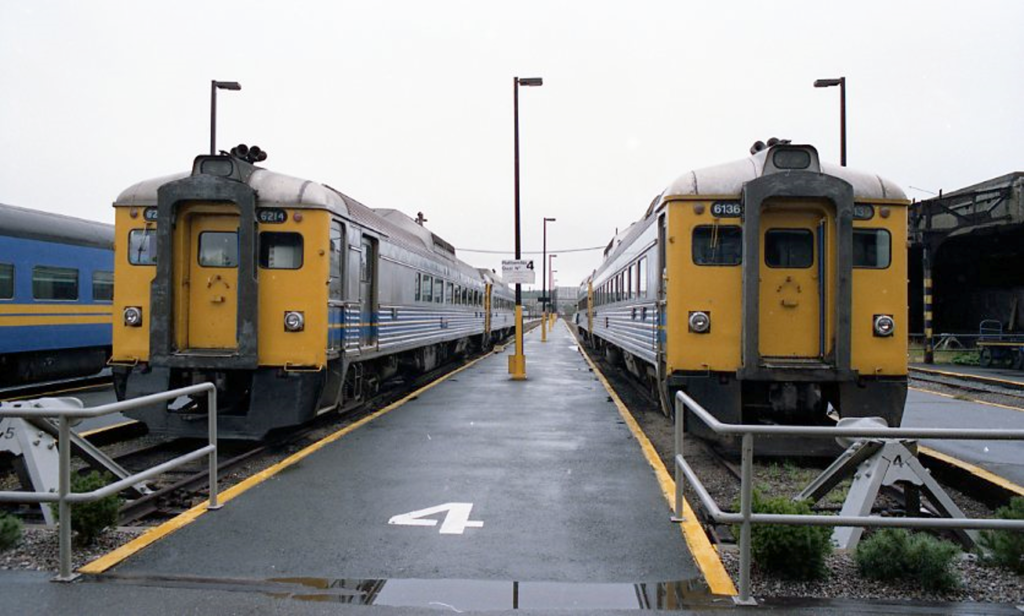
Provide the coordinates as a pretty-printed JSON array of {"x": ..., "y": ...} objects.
[
  {"x": 133, "y": 316},
  {"x": 700, "y": 322},
  {"x": 884, "y": 325},
  {"x": 294, "y": 321}
]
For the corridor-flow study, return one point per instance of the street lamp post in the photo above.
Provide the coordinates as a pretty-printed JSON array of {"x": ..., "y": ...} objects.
[
  {"x": 214, "y": 86},
  {"x": 543, "y": 285},
  {"x": 841, "y": 82},
  {"x": 517, "y": 362}
]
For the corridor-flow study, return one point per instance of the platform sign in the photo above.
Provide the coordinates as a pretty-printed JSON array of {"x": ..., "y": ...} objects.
[{"x": 518, "y": 271}]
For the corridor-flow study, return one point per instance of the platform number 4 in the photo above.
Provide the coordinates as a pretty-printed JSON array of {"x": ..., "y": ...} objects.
[{"x": 456, "y": 519}]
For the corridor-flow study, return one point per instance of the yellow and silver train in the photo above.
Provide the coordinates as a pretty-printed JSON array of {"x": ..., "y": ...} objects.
[
  {"x": 771, "y": 289},
  {"x": 293, "y": 298}
]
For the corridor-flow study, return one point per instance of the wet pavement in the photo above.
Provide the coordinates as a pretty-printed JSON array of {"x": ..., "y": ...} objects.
[{"x": 1004, "y": 458}]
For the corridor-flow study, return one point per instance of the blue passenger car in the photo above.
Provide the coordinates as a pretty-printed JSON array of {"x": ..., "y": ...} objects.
[{"x": 56, "y": 292}]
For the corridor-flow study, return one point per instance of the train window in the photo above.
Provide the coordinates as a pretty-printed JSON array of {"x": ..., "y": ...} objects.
[
  {"x": 54, "y": 283},
  {"x": 103, "y": 286},
  {"x": 789, "y": 248},
  {"x": 419, "y": 286},
  {"x": 449, "y": 296},
  {"x": 218, "y": 249},
  {"x": 337, "y": 239},
  {"x": 631, "y": 283},
  {"x": 428, "y": 287},
  {"x": 142, "y": 247},
  {"x": 641, "y": 277},
  {"x": 717, "y": 245},
  {"x": 438, "y": 291},
  {"x": 6, "y": 281},
  {"x": 280, "y": 250},
  {"x": 872, "y": 248}
]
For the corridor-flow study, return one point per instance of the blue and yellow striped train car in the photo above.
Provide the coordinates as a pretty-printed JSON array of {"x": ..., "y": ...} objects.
[{"x": 56, "y": 294}]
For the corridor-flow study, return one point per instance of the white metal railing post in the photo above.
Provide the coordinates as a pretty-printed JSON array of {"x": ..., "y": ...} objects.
[
  {"x": 679, "y": 414},
  {"x": 746, "y": 506},
  {"x": 211, "y": 415},
  {"x": 63, "y": 506}
]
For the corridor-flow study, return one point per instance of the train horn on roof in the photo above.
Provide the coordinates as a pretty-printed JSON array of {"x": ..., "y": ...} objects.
[{"x": 252, "y": 155}]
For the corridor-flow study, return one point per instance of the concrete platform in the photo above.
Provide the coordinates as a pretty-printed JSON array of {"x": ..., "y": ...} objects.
[
  {"x": 1003, "y": 458},
  {"x": 536, "y": 482}
]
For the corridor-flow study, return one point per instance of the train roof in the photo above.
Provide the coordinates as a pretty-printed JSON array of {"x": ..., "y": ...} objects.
[
  {"x": 275, "y": 189},
  {"x": 24, "y": 223},
  {"x": 728, "y": 179}
]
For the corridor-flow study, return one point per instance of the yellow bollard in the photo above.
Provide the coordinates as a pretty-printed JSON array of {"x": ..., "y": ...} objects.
[
  {"x": 517, "y": 361},
  {"x": 544, "y": 328}
]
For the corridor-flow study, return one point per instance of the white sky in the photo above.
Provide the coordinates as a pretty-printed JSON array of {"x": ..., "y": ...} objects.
[{"x": 408, "y": 105}]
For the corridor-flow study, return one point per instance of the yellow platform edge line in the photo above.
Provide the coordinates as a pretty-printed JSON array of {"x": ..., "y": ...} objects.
[
  {"x": 704, "y": 554},
  {"x": 156, "y": 533},
  {"x": 977, "y": 471},
  {"x": 55, "y": 392},
  {"x": 963, "y": 398},
  {"x": 102, "y": 429}
]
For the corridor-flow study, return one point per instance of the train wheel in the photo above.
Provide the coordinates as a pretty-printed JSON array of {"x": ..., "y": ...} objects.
[{"x": 985, "y": 358}]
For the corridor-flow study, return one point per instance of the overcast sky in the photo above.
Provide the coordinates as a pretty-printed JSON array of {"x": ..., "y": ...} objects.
[{"x": 408, "y": 105}]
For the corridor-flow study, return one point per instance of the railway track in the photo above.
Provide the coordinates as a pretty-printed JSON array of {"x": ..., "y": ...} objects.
[
  {"x": 53, "y": 388},
  {"x": 1011, "y": 392}
]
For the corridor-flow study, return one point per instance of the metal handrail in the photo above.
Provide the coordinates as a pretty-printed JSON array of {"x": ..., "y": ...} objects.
[
  {"x": 746, "y": 517},
  {"x": 64, "y": 498}
]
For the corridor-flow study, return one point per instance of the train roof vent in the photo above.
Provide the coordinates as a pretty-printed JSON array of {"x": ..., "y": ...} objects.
[
  {"x": 442, "y": 245},
  {"x": 789, "y": 157}
]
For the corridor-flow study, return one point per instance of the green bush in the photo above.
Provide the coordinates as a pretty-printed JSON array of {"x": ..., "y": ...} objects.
[
  {"x": 894, "y": 553},
  {"x": 795, "y": 552},
  {"x": 1005, "y": 548},
  {"x": 10, "y": 531},
  {"x": 89, "y": 520}
]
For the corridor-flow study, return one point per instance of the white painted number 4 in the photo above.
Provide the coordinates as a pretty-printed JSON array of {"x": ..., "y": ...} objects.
[{"x": 455, "y": 522}]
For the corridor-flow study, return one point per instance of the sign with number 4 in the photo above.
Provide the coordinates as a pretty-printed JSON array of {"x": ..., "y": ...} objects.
[{"x": 456, "y": 520}]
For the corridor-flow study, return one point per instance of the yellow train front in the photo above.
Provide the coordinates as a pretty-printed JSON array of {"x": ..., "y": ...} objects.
[
  {"x": 291, "y": 297},
  {"x": 815, "y": 322}
]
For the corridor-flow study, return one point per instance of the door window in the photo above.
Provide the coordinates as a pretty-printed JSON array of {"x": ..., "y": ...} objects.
[
  {"x": 218, "y": 249},
  {"x": 789, "y": 248},
  {"x": 337, "y": 252}
]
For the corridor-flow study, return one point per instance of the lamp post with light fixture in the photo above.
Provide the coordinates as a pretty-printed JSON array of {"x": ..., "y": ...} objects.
[
  {"x": 214, "y": 86},
  {"x": 841, "y": 82},
  {"x": 517, "y": 361}
]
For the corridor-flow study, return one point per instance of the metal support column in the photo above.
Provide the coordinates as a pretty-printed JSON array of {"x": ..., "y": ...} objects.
[{"x": 926, "y": 262}]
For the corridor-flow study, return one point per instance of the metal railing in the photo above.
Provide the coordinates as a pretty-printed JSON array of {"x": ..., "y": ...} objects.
[
  {"x": 63, "y": 496},
  {"x": 746, "y": 517}
]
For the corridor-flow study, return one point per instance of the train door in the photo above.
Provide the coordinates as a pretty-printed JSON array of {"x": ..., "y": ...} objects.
[
  {"x": 792, "y": 283},
  {"x": 488, "y": 324},
  {"x": 211, "y": 281},
  {"x": 368, "y": 293},
  {"x": 336, "y": 289}
]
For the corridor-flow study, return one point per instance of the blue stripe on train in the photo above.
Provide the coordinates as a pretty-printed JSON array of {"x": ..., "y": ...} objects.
[{"x": 20, "y": 338}]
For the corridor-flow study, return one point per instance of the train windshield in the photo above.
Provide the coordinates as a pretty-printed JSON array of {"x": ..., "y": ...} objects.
[
  {"x": 717, "y": 245},
  {"x": 872, "y": 248},
  {"x": 142, "y": 247}
]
